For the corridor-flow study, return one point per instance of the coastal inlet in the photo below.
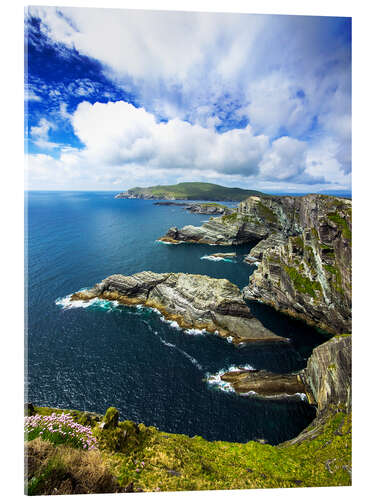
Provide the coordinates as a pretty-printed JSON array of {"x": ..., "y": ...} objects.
[{"x": 99, "y": 353}]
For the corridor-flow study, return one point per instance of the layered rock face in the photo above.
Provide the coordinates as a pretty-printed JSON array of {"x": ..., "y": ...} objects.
[
  {"x": 328, "y": 374},
  {"x": 193, "y": 301},
  {"x": 308, "y": 275},
  {"x": 264, "y": 383},
  {"x": 231, "y": 229},
  {"x": 303, "y": 251},
  {"x": 326, "y": 380}
]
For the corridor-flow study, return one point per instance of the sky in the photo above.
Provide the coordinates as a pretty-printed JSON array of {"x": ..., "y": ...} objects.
[{"x": 121, "y": 98}]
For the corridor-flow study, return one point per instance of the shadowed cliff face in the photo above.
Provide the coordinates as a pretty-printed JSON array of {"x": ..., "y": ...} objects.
[{"x": 328, "y": 374}]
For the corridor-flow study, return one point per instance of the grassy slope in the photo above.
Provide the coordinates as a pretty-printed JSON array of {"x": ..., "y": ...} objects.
[
  {"x": 198, "y": 191},
  {"x": 177, "y": 462}
]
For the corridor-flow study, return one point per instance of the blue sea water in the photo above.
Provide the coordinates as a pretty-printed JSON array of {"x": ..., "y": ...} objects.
[{"x": 103, "y": 355}]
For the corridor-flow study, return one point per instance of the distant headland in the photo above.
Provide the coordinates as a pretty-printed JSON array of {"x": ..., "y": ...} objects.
[{"x": 189, "y": 191}]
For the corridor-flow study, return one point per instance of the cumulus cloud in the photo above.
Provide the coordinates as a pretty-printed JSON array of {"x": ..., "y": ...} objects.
[
  {"x": 124, "y": 145},
  {"x": 230, "y": 97}
]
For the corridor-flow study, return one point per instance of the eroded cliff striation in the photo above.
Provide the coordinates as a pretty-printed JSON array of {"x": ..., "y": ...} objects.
[
  {"x": 328, "y": 374},
  {"x": 308, "y": 275},
  {"x": 263, "y": 383},
  {"x": 326, "y": 380},
  {"x": 303, "y": 253},
  {"x": 193, "y": 301}
]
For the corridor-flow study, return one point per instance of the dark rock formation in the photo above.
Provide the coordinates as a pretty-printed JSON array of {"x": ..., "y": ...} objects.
[
  {"x": 171, "y": 203},
  {"x": 264, "y": 383},
  {"x": 193, "y": 301},
  {"x": 328, "y": 374},
  {"x": 326, "y": 380},
  {"x": 328, "y": 384}
]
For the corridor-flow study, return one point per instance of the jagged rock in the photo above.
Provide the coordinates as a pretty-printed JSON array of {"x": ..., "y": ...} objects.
[
  {"x": 193, "y": 301},
  {"x": 304, "y": 249},
  {"x": 264, "y": 383},
  {"x": 256, "y": 253},
  {"x": 328, "y": 374},
  {"x": 209, "y": 209},
  {"x": 309, "y": 275}
]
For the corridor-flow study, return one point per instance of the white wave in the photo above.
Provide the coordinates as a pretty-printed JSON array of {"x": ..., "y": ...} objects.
[
  {"x": 168, "y": 242},
  {"x": 229, "y": 339},
  {"x": 67, "y": 303},
  {"x": 301, "y": 395},
  {"x": 184, "y": 353},
  {"x": 215, "y": 380},
  {"x": 168, "y": 344},
  {"x": 171, "y": 323},
  {"x": 190, "y": 358},
  {"x": 195, "y": 331},
  {"x": 216, "y": 259}
]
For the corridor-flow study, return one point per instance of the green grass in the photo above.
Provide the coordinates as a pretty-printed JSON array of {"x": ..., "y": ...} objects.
[
  {"x": 229, "y": 217},
  {"x": 197, "y": 191},
  {"x": 342, "y": 223},
  {"x": 302, "y": 283},
  {"x": 266, "y": 213},
  {"x": 158, "y": 461}
]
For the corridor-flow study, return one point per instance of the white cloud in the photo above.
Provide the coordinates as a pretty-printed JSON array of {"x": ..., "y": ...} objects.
[
  {"x": 285, "y": 160},
  {"x": 119, "y": 133},
  {"x": 125, "y": 146},
  {"x": 288, "y": 75},
  {"x": 40, "y": 134}
]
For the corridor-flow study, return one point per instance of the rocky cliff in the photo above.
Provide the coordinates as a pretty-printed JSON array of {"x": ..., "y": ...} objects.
[
  {"x": 305, "y": 269},
  {"x": 303, "y": 250},
  {"x": 328, "y": 374},
  {"x": 326, "y": 380},
  {"x": 193, "y": 301}
]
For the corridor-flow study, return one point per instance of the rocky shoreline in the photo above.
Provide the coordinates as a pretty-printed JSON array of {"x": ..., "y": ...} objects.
[
  {"x": 193, "y": 301},
  {"x": 303, "y": 253},
  {"x": 325, "y": 381}
]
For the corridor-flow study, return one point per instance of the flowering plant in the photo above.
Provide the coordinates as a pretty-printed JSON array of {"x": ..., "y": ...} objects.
[{"x": 59, "y": 429}]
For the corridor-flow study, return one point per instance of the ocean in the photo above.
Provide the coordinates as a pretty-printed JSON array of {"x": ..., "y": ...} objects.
[{"x": 99, "y": 355}]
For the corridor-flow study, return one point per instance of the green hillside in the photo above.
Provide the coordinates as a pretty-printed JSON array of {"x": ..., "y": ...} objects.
[{"x": 193, "y": 191}]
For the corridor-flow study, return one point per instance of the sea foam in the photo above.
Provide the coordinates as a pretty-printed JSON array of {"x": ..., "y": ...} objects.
[{"x": 216, "y": 259}]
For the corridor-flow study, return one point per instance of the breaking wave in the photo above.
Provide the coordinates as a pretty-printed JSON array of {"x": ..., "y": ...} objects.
[
  {"x": 214, "y": 379},
  {"x": 217, "y": 259},
  {"x": 97, "y": 303}
]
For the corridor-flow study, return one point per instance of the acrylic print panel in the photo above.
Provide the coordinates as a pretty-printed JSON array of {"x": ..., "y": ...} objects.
[{"x": 188, "y": 251}]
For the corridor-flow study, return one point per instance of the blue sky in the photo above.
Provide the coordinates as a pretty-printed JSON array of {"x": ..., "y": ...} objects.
[{"x": 119, "y": 98}]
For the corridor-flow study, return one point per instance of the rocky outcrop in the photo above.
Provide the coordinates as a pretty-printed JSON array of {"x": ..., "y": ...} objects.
[
  {"x": 328, "y": 374},
  {"x": 308, "y": 275},
  {"x": 264, "y": 383},
  {"x": 209, "y": 209},
  {"x": 326, "y": 380},
  {"x": 171, "y": 204},
  {"x": 222, "y": 256},
  {"x": 193, "y": 301},
  {"x": 256, "y": 253},
  {"x": 303, "y": 250}
]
